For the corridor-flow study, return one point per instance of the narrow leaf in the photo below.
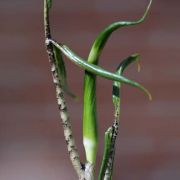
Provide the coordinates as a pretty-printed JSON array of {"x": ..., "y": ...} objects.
[
  {"x": 61, "y": 70},
  {"x": 106, "y": 153},
  {"x": 97, "y": 70},
  {"x": 103, "y": 36}
]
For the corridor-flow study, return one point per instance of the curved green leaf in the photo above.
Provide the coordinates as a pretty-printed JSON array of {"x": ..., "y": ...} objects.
[
  {"x": 103, "y": 36},
  {"x": 96, "y": 70},
  {"x": 120, "y": 69}
]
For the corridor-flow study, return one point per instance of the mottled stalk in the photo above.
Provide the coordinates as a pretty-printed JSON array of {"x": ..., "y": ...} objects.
[
  {"x": 116, "y": 98},
  {"x": 71, "y": 146}
]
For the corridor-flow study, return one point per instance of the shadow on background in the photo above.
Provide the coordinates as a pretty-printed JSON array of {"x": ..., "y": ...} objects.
[{"x": 31, "y": 139}]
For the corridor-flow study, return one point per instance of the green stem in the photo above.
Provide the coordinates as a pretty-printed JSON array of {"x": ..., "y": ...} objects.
[{"x": 116, "y": 101}]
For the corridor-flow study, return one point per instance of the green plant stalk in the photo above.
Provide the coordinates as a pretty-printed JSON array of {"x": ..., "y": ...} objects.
[{"x": 90, "y": 132}]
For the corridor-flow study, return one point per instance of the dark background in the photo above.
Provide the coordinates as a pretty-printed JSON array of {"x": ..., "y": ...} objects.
[{"x": 31, "y": 138}]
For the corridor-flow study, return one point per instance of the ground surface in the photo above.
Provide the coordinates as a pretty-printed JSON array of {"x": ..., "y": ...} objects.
[{"x": 31, "y": 139}]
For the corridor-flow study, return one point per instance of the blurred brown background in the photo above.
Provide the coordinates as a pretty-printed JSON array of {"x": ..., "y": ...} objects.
[{"x": 31, "y": 139}]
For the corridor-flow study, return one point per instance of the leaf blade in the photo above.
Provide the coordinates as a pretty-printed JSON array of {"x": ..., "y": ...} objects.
[
  {"x": 61, "y": 71},
  {"x": 97, "y": 70}
]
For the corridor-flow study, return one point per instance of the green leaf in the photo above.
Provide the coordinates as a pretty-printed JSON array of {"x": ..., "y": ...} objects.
[
  {"x": 103, "y": 36},
  {"x": 97, "y": 70},
  {"x": 61, "y": 71},
  {"x": 116, "y": 85},
  {"x": 106, "y": 153}
]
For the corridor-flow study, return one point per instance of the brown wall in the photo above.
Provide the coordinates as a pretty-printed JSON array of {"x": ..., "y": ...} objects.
[{"x": 31, "y": 139}]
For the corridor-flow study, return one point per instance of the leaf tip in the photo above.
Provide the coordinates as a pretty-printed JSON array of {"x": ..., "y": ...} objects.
[
  {"x": 146, "y": 11},
  {"x": 148, "y": 94},
  {"x": 138, "y": 63}
]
